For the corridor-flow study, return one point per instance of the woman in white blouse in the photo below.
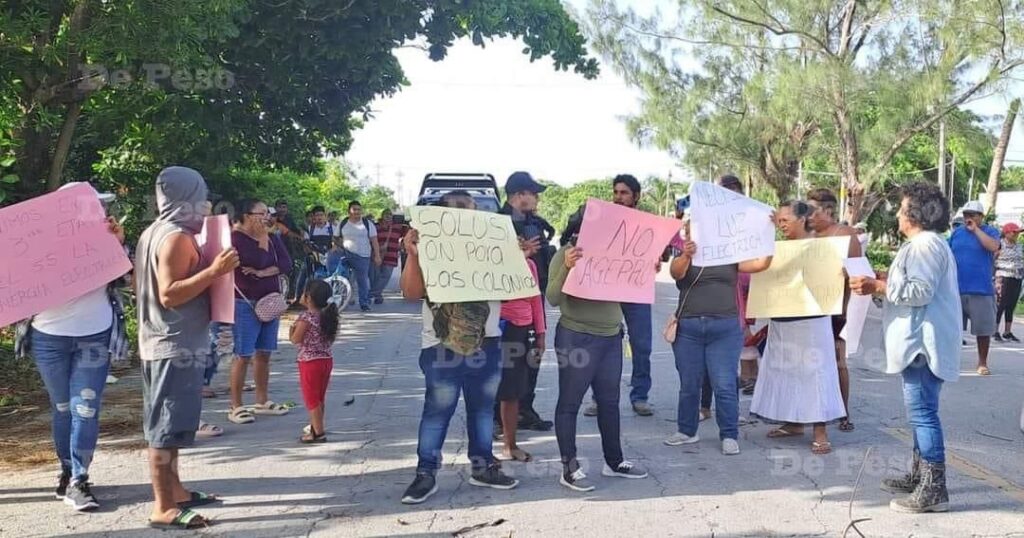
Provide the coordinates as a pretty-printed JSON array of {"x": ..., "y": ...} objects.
[
  {"x": 1009, "y": 271},
  {"x": 921, "y": 320}
]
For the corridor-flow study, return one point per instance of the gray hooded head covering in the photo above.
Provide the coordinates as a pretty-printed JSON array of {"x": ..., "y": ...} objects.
[{"x": 181, "y": 198}]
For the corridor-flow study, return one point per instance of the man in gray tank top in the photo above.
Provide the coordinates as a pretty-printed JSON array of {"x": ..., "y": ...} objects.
[{"x": 174, "y": 316}]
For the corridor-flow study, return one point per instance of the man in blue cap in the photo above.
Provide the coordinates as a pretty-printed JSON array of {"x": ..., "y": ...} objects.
[{"x": 521, "y": 199}]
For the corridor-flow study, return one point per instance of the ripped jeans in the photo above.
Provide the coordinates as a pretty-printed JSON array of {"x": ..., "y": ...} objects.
[{"x": 74, "y": 371}]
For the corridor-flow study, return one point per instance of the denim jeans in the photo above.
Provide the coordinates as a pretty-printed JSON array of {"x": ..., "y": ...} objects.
[
  {"x": 711, "y": 345},
  {"x": 382, "y": 276},
  {"x": 74, "y": 371},
  {"x": 638, "y": 328},
  {"x": 361, "y": 272},
  {"x": 446, "y": 375},
  {"x": 921, "y": 395},
  {"x": 584, "y": 361}
]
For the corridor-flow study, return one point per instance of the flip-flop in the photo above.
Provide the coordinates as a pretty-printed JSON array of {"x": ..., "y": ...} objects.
[
  {"x": 820, "y": 449},
  {"x": 518, "y": 455},
  {"x": 185, "y": 520},
  {"x": 198, "y": 498},
  {"x": 704, "y": 416},
  {"x": 845, "y": 425},
  {"x": 779, "y": 433},
  {"x": 983, "y": 370},
  {"x": 209, "y": 393},
  {"x": 313, "y": 438}
]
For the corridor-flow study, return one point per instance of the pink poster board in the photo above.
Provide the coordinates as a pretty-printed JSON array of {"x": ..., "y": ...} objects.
[
  {"x": 56, "y": 248},
  {"x": 621, "y": 248},
  {"x": 214, "y": 239}
]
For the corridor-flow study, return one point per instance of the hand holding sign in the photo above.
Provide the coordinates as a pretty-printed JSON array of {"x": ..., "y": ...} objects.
[
  {"x": 729, "y": 227},
  {"x": 617, "y": 254}
]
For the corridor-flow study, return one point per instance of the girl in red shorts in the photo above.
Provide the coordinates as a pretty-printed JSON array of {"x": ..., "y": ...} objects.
[{"x": 313, "y": 333}]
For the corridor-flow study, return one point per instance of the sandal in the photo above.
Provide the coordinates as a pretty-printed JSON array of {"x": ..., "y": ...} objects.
[
  {"x": 207, "y": 430},
  {"x": 517, "y": 454},
  {"x": 185, "y": 520},
  {"x": 704, "y": 415},
  {"x": 270, "y": 408},
  {"x": 821, "y": 448},
  {"x": 311, "y": 437},
  {"x": 845, "y": 425},
  {"x": 781, "y": 432},
  {"x": 241, "y": 415},
  {"x": 209, "y": 392},
  {"x": 248, "y": 387},
  {"x": 198, "y": 498},
  {"x": 983, "y": 370}
]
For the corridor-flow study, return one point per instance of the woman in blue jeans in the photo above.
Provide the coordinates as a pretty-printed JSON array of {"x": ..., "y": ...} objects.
[
  {"x": 264, "y": 258},
  {"x": 921, "y": 319},
  {"x": 73, "y": 345},
  {"x": 708, "y": 341}
]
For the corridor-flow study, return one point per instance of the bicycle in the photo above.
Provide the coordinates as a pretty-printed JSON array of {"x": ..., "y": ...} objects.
[{"x": 339, "y": 279}]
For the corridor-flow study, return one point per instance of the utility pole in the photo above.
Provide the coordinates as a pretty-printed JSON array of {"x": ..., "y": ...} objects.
[
  {"x": 942, "y": 156},
  {"x": 378, "y": 174},
  {"x": 952, "y": 179},
  {"x": 668, "y": 194}
]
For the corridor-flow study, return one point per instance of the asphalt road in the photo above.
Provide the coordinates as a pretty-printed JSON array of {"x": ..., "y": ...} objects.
[{"x": 351, "y": 486}]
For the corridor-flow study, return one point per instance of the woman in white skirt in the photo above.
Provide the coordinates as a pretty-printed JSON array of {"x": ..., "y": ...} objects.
[{"x": 798, "y": 381}]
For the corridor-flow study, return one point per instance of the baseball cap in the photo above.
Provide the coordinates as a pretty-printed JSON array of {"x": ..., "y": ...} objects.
[
  {"x": 1011, "y": 228},
  {"x": 105, "y": 197},
  {"x": 522, "y": 181},
  {"x": 973, "y": 206},
  {"x": 683, "y": 203}
]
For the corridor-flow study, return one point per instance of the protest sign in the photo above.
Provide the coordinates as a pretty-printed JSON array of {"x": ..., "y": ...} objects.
[
  {"x": 468, "y": 255},
  {"x": 621, "y": 248},
  {"x": 56, "y": 248},
  {"x": 805, "y": 279},
  {"x": 857, "y": 308},
  {"x": 215, "y": 238},
  {"x": 728, "y": 227}
]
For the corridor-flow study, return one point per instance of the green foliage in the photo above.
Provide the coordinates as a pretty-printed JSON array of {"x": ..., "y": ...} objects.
[
  {"x": 558, "y": 203},
  {"x": 880, "y": 255}
]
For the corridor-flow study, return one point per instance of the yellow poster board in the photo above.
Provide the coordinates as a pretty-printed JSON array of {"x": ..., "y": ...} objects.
[
  {"x": 468, "y": 255},
  {"x": 805, "y": 279}
]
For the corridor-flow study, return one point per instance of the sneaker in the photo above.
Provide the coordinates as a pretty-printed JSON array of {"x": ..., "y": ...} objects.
[
  {"x": 643, "y": 409},
  {"x": 421, "y": 489},
  {"x": 590, "y": 410},
  {"x": 492, "y": 477},
  {"x": 365, "y": 308},
  {"x": 1009, "y": 337},
  {"x": 538, "y": 425},
  {"x": 576, "y": 481},
  {"x": 79, "y": 496},
  {"x": 680, "y": 438},
  {"x": 62, "y": 484},
  {"x": 625, "y": 469},
  {"x": 378, "y": 300},
  {"x": 997, "y": 337},
  {"x": 730, "y": 447}
]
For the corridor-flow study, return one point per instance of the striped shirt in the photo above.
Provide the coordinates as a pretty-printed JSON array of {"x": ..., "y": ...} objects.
[{"x": 389, "y": 237}]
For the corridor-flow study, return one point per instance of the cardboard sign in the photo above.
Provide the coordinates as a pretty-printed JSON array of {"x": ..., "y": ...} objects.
[
  {"x": 621, "y": 248},
  {"x": 56, "y": 248},
  {"x": 468, "y": 255},
  {"x": 857, "y": 308},
  {"x": 728, "y": 227},
  {"x": 215, "y": 238},
  {"x": 805, "y": 279}
]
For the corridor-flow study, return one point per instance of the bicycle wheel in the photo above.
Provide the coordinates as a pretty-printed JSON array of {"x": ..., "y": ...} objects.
[{"x": 341, "y": 291}]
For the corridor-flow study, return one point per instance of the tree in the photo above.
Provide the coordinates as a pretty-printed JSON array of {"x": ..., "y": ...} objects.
[
  {"x": 293, "y": 77},
  {"x": 1000, "y": 155},
  {"x": 805, "y": 74}
]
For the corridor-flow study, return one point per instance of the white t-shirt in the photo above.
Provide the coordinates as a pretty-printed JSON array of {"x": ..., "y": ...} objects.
[
  {"x": 492, "y": 328},
  {"x": 355, "y": 239},
  {"x": 85, "y": 316}
]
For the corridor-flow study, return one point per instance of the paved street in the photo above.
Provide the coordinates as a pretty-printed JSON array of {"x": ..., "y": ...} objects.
[{"x": 351, "y": 486}]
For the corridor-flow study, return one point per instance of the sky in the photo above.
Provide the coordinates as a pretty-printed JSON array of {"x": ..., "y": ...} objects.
[{"x": 491, "y": 110}]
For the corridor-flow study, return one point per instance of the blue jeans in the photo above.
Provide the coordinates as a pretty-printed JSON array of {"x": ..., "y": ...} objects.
[
  {"x": 74, "y": 371},
  {"x": 921, "y": 396},
  {"x": 382, "y": 275},
  {"x": 361, "y": 272},
  {"x": 638, "y": 325},
  {"x": 446, "y": 375},
  {"x": 708, "y": 345}
]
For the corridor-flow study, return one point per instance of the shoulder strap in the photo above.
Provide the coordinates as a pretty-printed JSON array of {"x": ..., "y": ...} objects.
[{"x": 679, "y": 311}]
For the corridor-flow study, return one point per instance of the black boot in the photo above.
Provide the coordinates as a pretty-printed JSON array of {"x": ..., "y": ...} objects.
[
  {"x": 930, "y": 495},
  {"x": 908, "y": 482}
]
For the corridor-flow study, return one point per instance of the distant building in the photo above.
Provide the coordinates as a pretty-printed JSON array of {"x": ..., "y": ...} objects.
[{"x": 1009, "y": 206}]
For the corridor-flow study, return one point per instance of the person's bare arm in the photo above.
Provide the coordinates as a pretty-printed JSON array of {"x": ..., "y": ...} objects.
[
  {"x": 298, "y": 332},
  {"x": 375, "y": 248},
  {"x": 990, "y": 243},
  {"x": 176, "y": 259},
  {"x": 413, "y": 286},
  {"x": 681, "y": 263}
]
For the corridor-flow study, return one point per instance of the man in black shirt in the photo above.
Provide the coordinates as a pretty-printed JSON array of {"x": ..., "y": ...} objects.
[{"x": 521, "y": 198}]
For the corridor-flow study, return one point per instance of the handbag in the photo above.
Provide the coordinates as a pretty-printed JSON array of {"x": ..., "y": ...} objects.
[
  {"x": 272, "y": 305},
  {"x": 672, "y": 327}
]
